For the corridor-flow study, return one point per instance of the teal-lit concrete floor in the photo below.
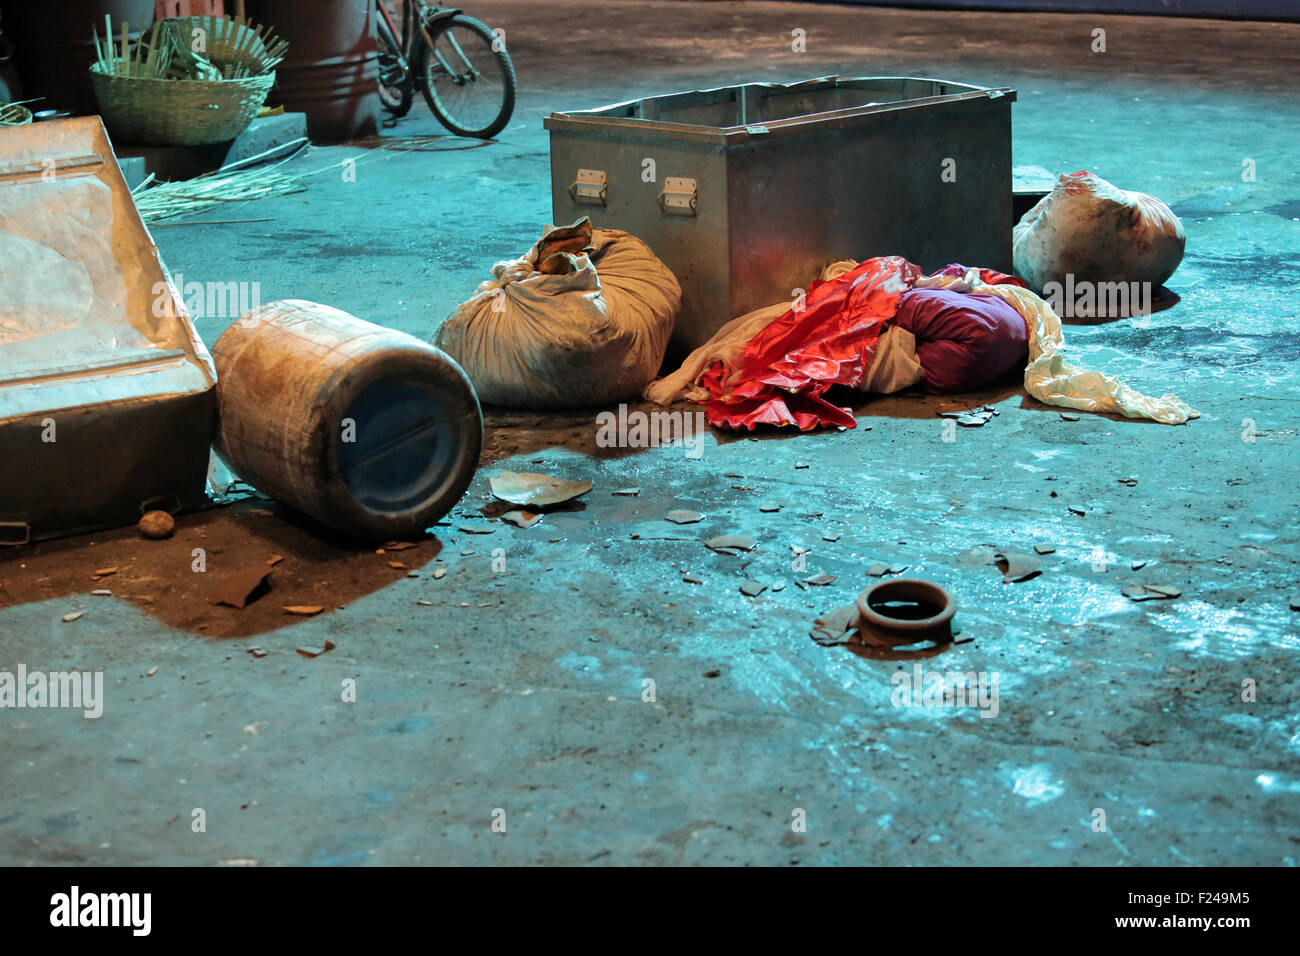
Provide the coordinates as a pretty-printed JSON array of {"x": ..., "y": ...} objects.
[{"x": 521, "y": 690}]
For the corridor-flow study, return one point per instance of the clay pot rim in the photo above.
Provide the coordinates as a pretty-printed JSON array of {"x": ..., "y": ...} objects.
[{"x": 907, "y": 588}]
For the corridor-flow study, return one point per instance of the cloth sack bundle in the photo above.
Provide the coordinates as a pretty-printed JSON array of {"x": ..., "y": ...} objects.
[{"x": 582, "y": 319}]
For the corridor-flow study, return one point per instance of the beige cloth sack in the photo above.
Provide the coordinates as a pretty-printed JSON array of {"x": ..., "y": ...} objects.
[{"x": 582, "y": 319}]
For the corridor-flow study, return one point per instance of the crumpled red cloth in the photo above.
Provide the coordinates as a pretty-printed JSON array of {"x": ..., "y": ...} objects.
[{"x": 781, "y": 375}]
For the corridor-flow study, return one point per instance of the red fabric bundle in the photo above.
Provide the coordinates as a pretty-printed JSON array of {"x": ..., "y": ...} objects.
[{"x": 782, "y": 373}]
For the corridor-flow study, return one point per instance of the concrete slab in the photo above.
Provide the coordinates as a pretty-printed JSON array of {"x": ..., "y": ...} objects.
[{"x": 170, "y": 163}]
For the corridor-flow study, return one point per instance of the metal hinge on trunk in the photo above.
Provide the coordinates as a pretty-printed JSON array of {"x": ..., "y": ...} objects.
[
  {"x": 679, "y": 196},
  {"x": 589, "y": 187}
]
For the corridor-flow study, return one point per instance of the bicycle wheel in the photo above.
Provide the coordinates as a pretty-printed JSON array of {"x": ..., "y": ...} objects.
[
  {"x": 469, "y": 85},
  {"x": 395, "y": 89}
]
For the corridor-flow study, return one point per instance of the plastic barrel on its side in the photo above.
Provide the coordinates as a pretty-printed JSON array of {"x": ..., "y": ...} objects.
[{"x": 366, "y": 429}]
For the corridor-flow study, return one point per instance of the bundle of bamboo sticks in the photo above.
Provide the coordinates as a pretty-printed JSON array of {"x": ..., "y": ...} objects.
[{"x": 244, "y": 51}]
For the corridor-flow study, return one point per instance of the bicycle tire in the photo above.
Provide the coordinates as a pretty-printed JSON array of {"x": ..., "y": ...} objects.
[
  {"x": 508, "y": 79},
  {"x": 398, "y": 106}
]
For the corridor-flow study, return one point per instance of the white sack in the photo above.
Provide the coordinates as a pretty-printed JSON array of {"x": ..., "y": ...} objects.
[{"x": 1098, "y": 233}]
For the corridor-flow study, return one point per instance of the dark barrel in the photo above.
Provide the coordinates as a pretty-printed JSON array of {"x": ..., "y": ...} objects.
[
  {"x": 330, "y": 71},
  {"x": 53, "y": 49}
]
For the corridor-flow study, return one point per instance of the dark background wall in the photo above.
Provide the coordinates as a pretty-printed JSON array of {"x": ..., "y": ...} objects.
[{"x": 1233, "y": 9}]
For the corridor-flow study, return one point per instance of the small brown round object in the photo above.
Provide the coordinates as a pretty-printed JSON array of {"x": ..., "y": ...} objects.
[{"x": 157, "y": 524}]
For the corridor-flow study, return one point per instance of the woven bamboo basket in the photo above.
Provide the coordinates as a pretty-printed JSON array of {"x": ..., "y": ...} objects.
[
  {"x": 14, "y": 114},
  {"x": 228, "y": 42},
  {"x": 157, "y": 112}
]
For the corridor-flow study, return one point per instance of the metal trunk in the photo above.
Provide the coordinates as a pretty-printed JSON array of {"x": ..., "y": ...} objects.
[{"x": 745, "y": 192}]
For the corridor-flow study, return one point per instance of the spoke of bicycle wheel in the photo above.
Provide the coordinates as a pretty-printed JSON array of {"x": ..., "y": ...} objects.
[{"x": 451, "y": 38}]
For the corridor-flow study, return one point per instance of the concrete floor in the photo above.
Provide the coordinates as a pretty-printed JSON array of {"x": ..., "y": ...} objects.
[{"x": 522, "y": 691}]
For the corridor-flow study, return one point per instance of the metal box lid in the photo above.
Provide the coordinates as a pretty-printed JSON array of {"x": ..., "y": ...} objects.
[{"x": 731, "y": 115}]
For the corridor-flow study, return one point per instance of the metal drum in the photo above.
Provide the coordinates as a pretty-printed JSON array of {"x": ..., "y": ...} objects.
[
  {"x": 367, "y": 429},
  {"x": 330, "y": 71},
  {"x": 53, "y": 49}
]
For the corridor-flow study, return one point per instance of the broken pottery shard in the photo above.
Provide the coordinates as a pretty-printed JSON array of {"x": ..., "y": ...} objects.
[
  {"x": 398, "y": 545},
  {"x": 1151, "y": 592},
  {"x": 72, "y": 616},
  {"x": 831, "y": 536},
  {"x": 878, "y": 570},
  {"x": 752, "y": 588},
  {"x": 692, "y": 579},
  {"x": 1077, "y": 510},
  {"x": 274, "y": 559},
  {"x": 730, "y": 542},
  {"x": 316, "y": 651},
  {"x": 898, "y": 568},
  {"x": 1044, "y": 549},
  {"x": 769, "y": 507},
  {"x": 438, "y": 573},
  {"x": 841, "y": 619},
  {"x": 1295, "y": 603},
  {"x": 629, "y": 492},
  {"x": 476, "y": 528},
  {"x": 423, "y": 603},
  {"x": 151, "y": 671},
  {"x": 800, "y": 465},
  {"x": 104, "y": 572},
  {"x": 1138, "y": 565},
  {"x": 681, "y": 516},
  {"x": 257, "y": 652},
  {"x": 972, "y": 421},
  {"x": 837, "y": 627},
  {"x": 1164, "y": 590},
  {"x": 242, "y": 587},
  {"x": 1131, "y": 482},
  {"x": 157, "y": 524},
  {"x": 820, "y": 580},
  {"x": 830, "y": 639},
  {"x": 778, "y": 586},
  {"x": 1068, "y": 417},
  {"x": 533, "y": 490},
  {"x": 1017, "y": 566},
  {"x": 102, "y": 592},
  {"x": 396, "y": 565},
  {"x": 303, "y": 610},
  {"x": 521, "y": 519}
]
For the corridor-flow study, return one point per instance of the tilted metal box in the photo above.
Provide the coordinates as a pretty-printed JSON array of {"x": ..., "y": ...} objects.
[
  {"x": 745, "y": 192},
  {"x": 107, "y": 395}
]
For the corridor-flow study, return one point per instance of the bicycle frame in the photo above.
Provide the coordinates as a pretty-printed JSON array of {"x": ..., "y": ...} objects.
[{"x": 403, "y": 40}]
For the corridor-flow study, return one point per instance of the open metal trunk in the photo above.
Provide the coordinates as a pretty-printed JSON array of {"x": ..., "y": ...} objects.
[
  {"x": 746, "y": 191},
  {"x": 107, "y": 395}
]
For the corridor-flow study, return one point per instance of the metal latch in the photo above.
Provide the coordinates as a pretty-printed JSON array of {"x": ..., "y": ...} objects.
[
  {"x": 679, "y": 196},
  {"x": 589, "y": 187},
  {"x": 15, "y": 533},
  {"x": 757, "y": 130}
]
